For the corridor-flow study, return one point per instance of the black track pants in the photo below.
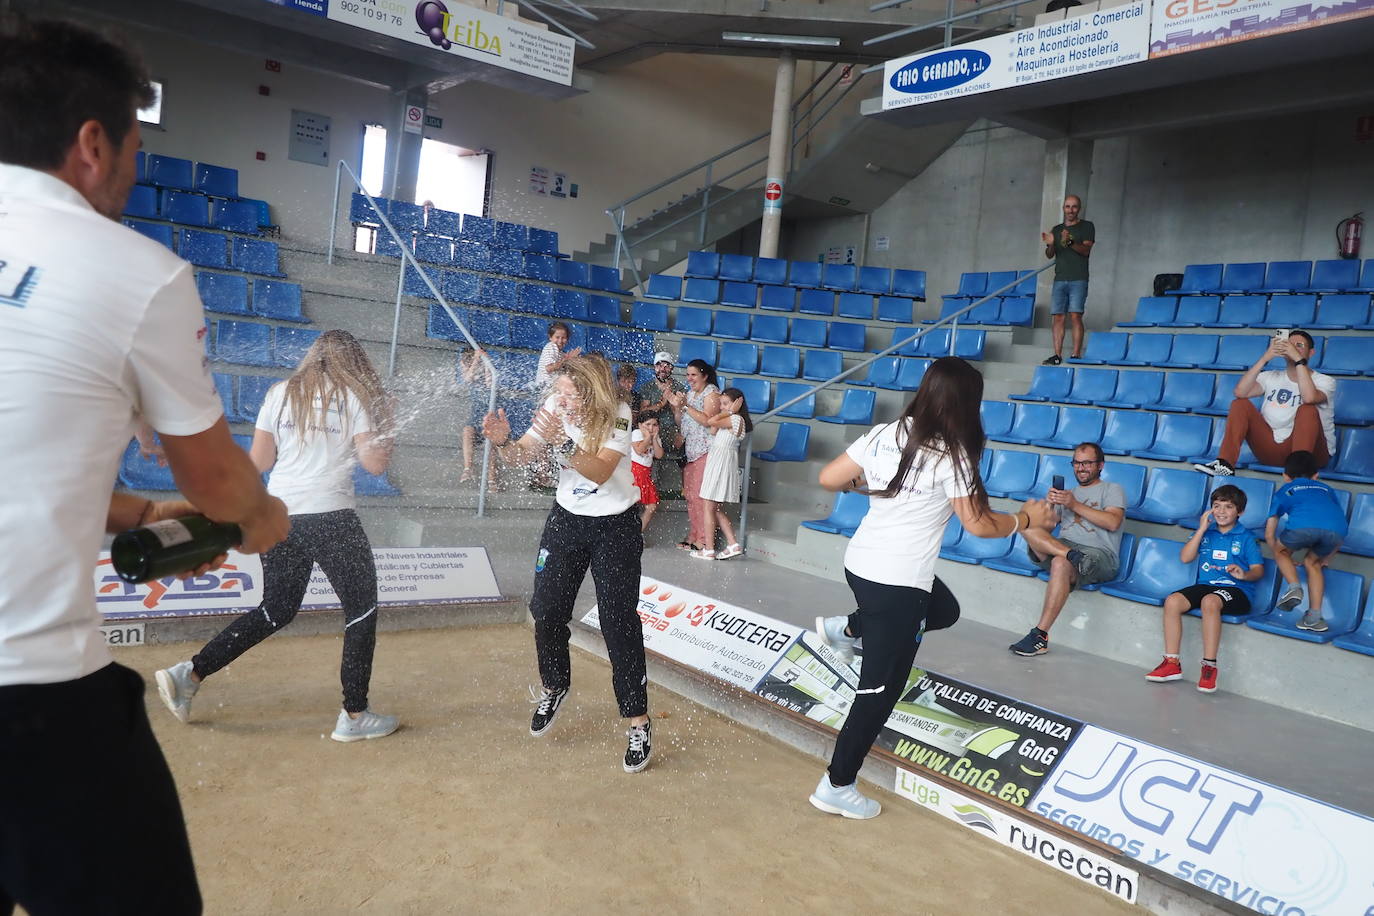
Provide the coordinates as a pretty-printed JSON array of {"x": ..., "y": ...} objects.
[
  {"x": 611, "y": 545},
  {"x": 337, "y": 542}
]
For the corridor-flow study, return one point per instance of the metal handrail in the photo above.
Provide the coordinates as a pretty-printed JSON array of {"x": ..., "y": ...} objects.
[
  {"x": 409, "y": 259},
  {"x": 951, "y": 319}
]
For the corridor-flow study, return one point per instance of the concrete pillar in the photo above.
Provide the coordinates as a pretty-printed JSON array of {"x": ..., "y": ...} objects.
[
  {"x": 779, "y": 150},
  {"x": 403, "y": 148},
  {"x": 1068, "y": 170}
]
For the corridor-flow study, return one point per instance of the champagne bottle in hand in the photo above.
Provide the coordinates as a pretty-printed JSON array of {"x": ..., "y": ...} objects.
[{"x": 169, "y": 547}]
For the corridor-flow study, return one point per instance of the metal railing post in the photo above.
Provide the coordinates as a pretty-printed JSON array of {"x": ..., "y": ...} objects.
[
  {"x": 334, "y": 218},
  {"x": 705, "y": 205},
  {"x": 744, "y": 492},
  {"x": 396, "y": 318},
  {"x": 619, "y": 221}
]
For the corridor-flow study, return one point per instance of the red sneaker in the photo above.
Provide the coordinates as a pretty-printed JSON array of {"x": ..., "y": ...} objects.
[
  {"x": 1208, "y": 682},
  {"x": 1168, "y": 670}
]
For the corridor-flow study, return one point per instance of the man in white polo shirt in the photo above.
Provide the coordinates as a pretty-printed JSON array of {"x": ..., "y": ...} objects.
[{"x": 98, "y": 326}]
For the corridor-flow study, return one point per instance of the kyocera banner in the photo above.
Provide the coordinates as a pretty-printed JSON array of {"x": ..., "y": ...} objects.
[{"x": 1263, "y": 847}]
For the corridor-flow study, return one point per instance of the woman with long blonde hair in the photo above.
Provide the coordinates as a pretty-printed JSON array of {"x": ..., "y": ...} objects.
[
  {"x": 331, "y": 414},
  {"x": 594, "y": 523}
]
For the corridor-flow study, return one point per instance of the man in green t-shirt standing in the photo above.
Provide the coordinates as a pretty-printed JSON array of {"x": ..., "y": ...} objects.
[{"x": 1069, "y": 243}]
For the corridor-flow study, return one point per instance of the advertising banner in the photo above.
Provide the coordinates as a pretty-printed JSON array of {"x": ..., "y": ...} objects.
[
  {"x": 1191, "y": 25},
  {"x": 1257, "y": 845},
  {"x": 315, "y": 7},
  {"x": 1096, "y": 40},
  {"x": 727, "y": 642},
  {"x": 405, "y": 576},
  {"x": 466, "y": 32},
  {"x": 1023, "y": 836},
  {"x": 993, "y": 744}
]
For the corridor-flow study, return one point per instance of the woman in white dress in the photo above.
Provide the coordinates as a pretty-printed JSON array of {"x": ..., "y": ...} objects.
[{"x": 720, "y": 482}]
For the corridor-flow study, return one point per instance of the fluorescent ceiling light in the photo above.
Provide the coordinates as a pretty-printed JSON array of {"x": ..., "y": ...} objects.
[{"x": 819, "y": 41}]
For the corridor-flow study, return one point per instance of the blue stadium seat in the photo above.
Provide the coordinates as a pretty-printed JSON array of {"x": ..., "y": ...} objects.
[
  {"x": 500, "y": 293},
  {"x": 1348, "y": 356},
  {"x": 1131, "y": 478},
  {"x": 1001, "y": 283},
  {"x": 1354, "y": 402},
  {"x": 702, "y": 264},
  {"x": 528, "y": 333},
  {"x": 1077, "y": 424},
  {"x": 780, "y": 362},
  {"x": 1146, "y": 350},
  {"x": 365, "y": 484},
  {"x": 808, "y": 332},
  {"x": 909, "y": 348},
  {"x": 360, "y": 212},
  {"x": 1289, "y": 311},
  {"x": 698, "y": 290},
  {"x": 385, "y": 246},
  {"x": 575, "y": 273},
  {"x": 1136, "y": 388},
  {"x": 1050, "y": 383},
  {"x": 840, "y": 277},
  {"x": 234, "y": 216},
  {"x": 738, "y": 267},
  {"x": 1103, "y": 347},
  {"x": 1091, "y": 386},
  {"x": 1360, "y": 539},
  {"x": 604, "y": 309},
  {"x": 433, "y": 249},
  {"x": 1340, "y": 609},
  {"x": 770, "y": 271},
  {"x": 822, "y": 365},
  {"x": 740, "y": 295},
  {"x": 1155, "y": 572},
  {"x": 693, "y": 348},
  {"x": 1032, "y": 423},
  {"x": 1016, "y": 310},
  {"x": 856, "y": 408},
  {"x": 1010, "y": 472},
  {"x": 738, "y": 357},
  {"x": 1172, "y": 495},
  {"x": 1259, "y": 493},
  {"x": 443, "y": 222},
  {"x": 477, "y": 229},
  {"x": 569, "y": 303},
  {"x": 1200, "y": 278},
  {"x": 264, "y": 212},
  {"x": 1223, "y": 393},
  {"x": 256, "y": 256},
  {"x": 844, "y": 518},
  {"x": 508, "y": 261},
  {"x": 1362, "y": 639},
  {"x": 692, "y": 320},
  {"x": 278, "y": 299},
  {"x": 439, "y": 326},
  {"x": 816, "y": 302},
  {"x": 954, "y": 532},
  {"x": 637, "y": 346},
  {"x": 606, "y": 279},
  {"x": 972, "y": 285},
  {"x": 757, "y": 393},
  {"x": 491, "y": 329},
  {"x": 971, "y": 549},
  {"x": 413, "y": 284},
  {"x": 406, "y": 217},
  {"x": 778, "y": 298},
  {"x": 511, "y": 235},
  {"x": 969, "y": 345},
  {"x": 243, "y": 342},
  {"x": 140, "y": 165},
  {"x": 458, "y": 286},
  {"x": 934, "y": 343},
  {"x": 910, "y": 283},
  {"x": 1341, "y": 311},
  {"x": 1179, "y": 436},
  {"x": 203, "y": 249},
  {"x": 790, "y": 444},
  {"x": 533, "y": 298},
  {"x": 875, "y": 280},
  {"x": 856, "y": 305},
  {"x": 469, "y": 255},
  {"x": 1366, "y": 279},
  {"x": 139, "y": 473},
  {"x": 896, "y": 308},
  {"x": 1190, "y": 351},
  {"x": 216, "y": 180},
  {"x": 1242, "y": 278},
  {"x": 804, "y": 409},
  {"x": 846, "y": 336},
  {"x": 1128, "y": 432},
  {"x": 804, "y": 274},
  {"x": 1354, "y": 459},
  {"x": 1238, "y": 351},
  {"x": 882, "y": 373},
  {"x": 1335, "y": 276},
  {"x": 142, "y": 202},
  {"x": 1286, "y": 277},
  {"x": 1048, "y": 468},
  {"x": 184, "y": 207},
  {"x": 606, "y": 341},
  {"x": 1185, "y": 392},
  {"x": 911, "y": 373},
  {"x": 651, "y": 316},
  {"x": 1151, "y": 311},
  {"x": 769, "y": 329},
  {"x": 539, "y": 267},
  {"x": 253, "y": 388},
  {"x": 225, "y": 293},
  {"x": 1194, "y": 312},
  {"x": 997, "y": 417},
  {"x": 662, "y": 286},
  {"x": 170, "y": 172},
  {"x": 224, "y": 387},
  {"x": 1126, "y": 554},
  {"x": 1241, "y": 312}
]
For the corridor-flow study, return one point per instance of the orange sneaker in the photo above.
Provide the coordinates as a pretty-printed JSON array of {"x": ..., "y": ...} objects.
[{"x": 1168, "y": 670}]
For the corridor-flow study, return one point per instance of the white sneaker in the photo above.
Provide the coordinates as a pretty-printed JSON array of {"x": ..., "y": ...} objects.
[
  {"x": 177, "y": 689},
  {"x": 831, "y": 631},
  {"x": 844, "y": 800},
  {"x": 1215, "y": 468},
  {"x": 368, "y": 725}
]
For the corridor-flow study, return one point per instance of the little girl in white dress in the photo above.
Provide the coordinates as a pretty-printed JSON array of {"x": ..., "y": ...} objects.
[{"x": 721, "y": 481}]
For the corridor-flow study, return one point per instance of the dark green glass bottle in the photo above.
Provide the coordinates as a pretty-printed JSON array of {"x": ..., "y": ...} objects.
[{"x": 170, "y": 547}]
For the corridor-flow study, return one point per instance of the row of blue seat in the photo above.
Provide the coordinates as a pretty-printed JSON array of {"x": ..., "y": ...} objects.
[
  {"x": 1160, "y": 437},
  {"x": 191, "y": 208},
  {"x": 139, "y": 473},
  {"x": 228, "y": 294},
  {"x": 781, "y": 298},
  {"x": 205, "y": 248},
  {"x": 856, "y": 408},
  {"x": 791, "y": 443},
  {"x": 1001, "y": 311},
  {"x": 969, "y": 344},
  {"x": 509, "y": 261},
  {"x": 977, "y": 284},
  {"x": 742, "y": 268},
  {"x": 1311, "y": 311},
  {"x": 1174, "y": 392},
  {"x": 248, "y": 343},
  {"x": 414, "y": 218},
  {"x": 1334, "y": 276},
  {"x": 531, "y": 333},
  {"x": 173, "y": 172},
  {"x": 1334, "y": 355},
  {"x": 514, "y": 296}
]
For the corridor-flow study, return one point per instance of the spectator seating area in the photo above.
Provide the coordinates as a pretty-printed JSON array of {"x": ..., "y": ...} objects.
[
  {"x": 1012, "y": 305},
  {"x": 180, "y": 192}
]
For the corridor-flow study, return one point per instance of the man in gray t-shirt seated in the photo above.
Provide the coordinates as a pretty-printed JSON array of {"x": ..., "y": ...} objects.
[{"x": 1088, "y": 548}]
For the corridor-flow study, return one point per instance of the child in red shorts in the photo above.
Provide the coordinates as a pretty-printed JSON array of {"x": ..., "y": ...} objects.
[{"x": 645, "y": 446}]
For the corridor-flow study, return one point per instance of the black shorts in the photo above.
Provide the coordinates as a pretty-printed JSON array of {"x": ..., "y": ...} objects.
[{"x": 1233, "y": 600}]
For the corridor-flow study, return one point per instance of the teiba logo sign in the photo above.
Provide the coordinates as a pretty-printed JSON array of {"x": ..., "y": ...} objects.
[
  {"x": 226, "y": 582},
  {"x": 940, "y": 71},
  {"x": 444, "y": 31}
]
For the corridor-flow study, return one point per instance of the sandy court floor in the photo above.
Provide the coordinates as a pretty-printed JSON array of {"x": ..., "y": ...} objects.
[{"x": 463, "y": 812}]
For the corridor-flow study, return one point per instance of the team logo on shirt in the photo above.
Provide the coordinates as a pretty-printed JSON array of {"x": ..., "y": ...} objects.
[
  {"x": 19, "y": 294},
  {"x": 622, "y": 424},
  {"x": 541, "y": 560}
]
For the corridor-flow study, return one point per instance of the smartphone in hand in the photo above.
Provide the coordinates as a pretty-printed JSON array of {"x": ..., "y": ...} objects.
[{"x": 1057, "y": 481}]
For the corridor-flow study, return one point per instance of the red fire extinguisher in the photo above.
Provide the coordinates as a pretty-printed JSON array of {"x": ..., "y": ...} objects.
[{"x": 1348, "y": 232}]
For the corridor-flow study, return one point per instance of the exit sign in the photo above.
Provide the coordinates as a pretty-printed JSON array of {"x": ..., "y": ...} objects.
[{"x": 433, "y": 121}]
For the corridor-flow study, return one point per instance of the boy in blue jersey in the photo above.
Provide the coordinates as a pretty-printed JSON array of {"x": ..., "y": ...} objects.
[
  {"x": 1228, "y": 562},
  {"x": 1315, "y": 521}
]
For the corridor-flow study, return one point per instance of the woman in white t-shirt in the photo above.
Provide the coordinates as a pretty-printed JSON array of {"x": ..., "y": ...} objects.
[
  {"x": 918, "y": 471},
  {"x": 593, "y": 523},
  {"x": 336, "y": 398},
  {"x": 645, "y": 448}
]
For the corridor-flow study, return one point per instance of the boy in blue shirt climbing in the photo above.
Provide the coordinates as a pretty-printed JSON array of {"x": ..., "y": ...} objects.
[
  {"x": 1228, "y": 563},
  {"x": 1315, "y": 522}
]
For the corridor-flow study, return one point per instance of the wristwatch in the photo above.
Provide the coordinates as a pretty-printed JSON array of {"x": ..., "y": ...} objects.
[{"x": 1300, "y": 362}]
